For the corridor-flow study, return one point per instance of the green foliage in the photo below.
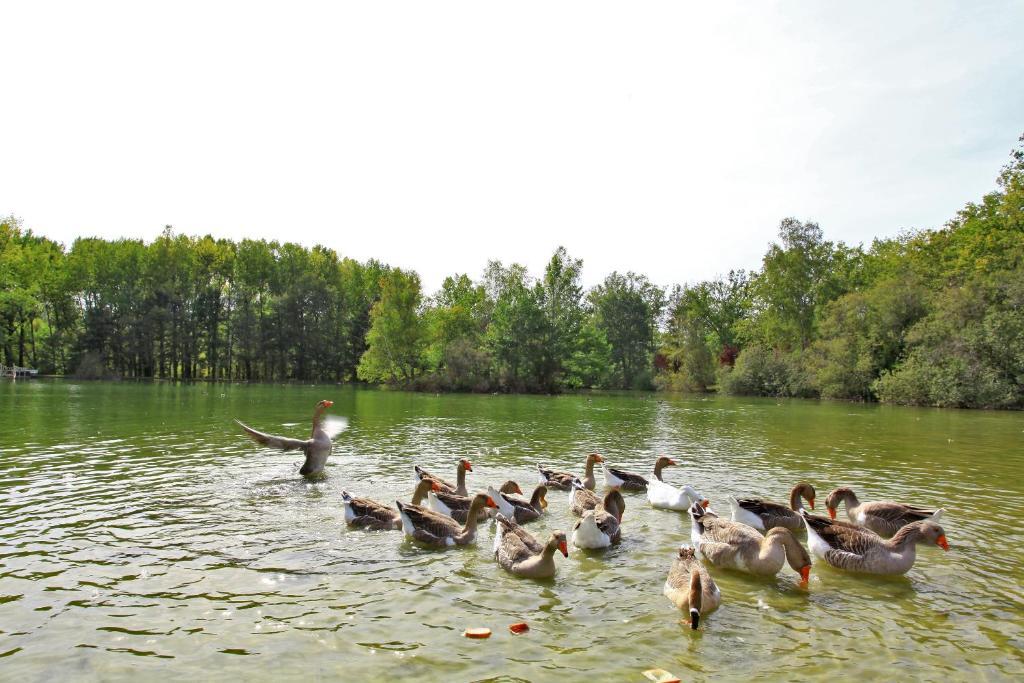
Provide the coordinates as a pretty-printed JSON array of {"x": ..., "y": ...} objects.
[
  {"x": 926, "y": 318},
  {"x": 626, "y": 309},
  {"x": 395, "y": 341},
  {"x": 760, "y": 371}
]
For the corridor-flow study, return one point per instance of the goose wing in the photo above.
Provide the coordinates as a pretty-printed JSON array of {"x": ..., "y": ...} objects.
[
  {"x": 333, "y": 425},
  {"x": 561, "y": 480},
  {"x": 583, "y": 500},
  {"x": 629, "y": 478},
  {"x": 429, "y": 521},
  {"x": 282, "y": 442},
  {"x": 843, "y": 537},
  {"x": 897, "y": 512},
  {"x": 517, "y": 544}
]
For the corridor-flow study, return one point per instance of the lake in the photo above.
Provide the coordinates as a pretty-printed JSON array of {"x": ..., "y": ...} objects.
[{"x": 144, "y": 536}]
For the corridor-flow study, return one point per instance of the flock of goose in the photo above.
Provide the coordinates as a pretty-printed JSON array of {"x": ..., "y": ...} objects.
[{"x": 758, "y": 537}]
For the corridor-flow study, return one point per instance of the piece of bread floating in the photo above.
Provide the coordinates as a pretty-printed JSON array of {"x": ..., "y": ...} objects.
[
  {"x": 477, "y": 633},
  {"x": 521, "y": 627},
  {"x": 661, "y": 676}
]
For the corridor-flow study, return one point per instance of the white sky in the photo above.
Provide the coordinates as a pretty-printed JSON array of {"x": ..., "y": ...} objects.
[{"x": 665, "y": 138}]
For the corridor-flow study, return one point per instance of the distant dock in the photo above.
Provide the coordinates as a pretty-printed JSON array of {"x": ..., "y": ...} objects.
[{"x": 14, "y": 371}]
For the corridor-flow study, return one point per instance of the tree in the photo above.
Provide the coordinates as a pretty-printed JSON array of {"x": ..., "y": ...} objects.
[
  {"x": 395, "y": 341},
  {"x": 626, "y": 309}
]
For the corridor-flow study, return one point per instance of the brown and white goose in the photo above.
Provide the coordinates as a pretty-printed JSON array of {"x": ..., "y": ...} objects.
[
  {"x": 689, "y": 586},
  {"x": 459, "y": 487},
  {"x": 363, "y": 513},
  {"x": 733, "y": 545},
  {"x": 519, "y": 553},
  {"x": 457, "y": 507},
  {"x": 860, "y": 550},
  {"x": 317, "y": 447},
  {"x": 883, "y": 517},
  {"x": 601, "y": 526},
  {"x": 529, "y": 510},
  {"x": 764, "y": 514},
  {"x": 582, "y": 499},
  {"x": 439, "y": 531},
  {"x": 562, "y": 481},
  {"x": 629, "y": 481}
]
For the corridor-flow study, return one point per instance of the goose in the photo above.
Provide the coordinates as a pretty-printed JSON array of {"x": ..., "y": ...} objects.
[
  {"x": 459, "y": 488},
  {"x": 363, "y": 513},
  {"x": 689, "y": 586},
  {"x": 582, "y": 499},
  {"x": 852, "y": 549},
  {"x": 668, "y": 497},
  {"x": 563, "y": 480},
  {"x": 733, "y": 545},
  {"x": 317, "y": 447},
  {"x": 884, "y": 518},
  {"x": 432, "y": 529},
  {"x": 519, "y": 553},
  {"x": 764, "y": 514},
  {"x": 529, "y": 510},
  {"x": 628, "y": 481},
  {"x": 456, "y": 507},
  {"x": 601, "y": 526}
]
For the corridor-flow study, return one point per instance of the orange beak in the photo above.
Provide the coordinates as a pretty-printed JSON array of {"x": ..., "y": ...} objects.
[
  {"x": 491, "y": 503},
  {"x": 942, "y": 542},
  {"x": 598, "y": 458},
  {"x": 434, "y": 486},
  {"x": 518, "y": 490},
  {"x": 328, "y": 403},
  {"x": 705, "y": 504},
  {"x": 805, "y": 575},
  {"x": 672, "y": 462},
  {"x": 563, "y": 548},
  {"x": 469, "y": 466},
  {"x": 831, "y": 513}
]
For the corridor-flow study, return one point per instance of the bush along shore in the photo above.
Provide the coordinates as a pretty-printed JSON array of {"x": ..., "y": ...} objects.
[{"x": 930, "y": 317}]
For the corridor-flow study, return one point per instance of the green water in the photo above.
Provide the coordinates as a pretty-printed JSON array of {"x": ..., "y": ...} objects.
[{"x": 143, "y": 537}]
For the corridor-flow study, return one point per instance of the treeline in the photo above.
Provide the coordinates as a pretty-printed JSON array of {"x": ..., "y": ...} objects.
[{"x": 927, "y": 318}]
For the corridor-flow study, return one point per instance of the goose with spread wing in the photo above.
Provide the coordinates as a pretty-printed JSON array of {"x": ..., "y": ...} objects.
[{"x": 317, "y": 447}]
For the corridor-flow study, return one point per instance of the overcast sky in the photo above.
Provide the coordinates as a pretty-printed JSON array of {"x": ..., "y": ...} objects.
[{"x": 668, "y": 139}]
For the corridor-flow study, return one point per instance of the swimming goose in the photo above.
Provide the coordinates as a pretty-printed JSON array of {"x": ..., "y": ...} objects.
[
  {"x": 518, "y": 552},
  {"x": 733, "y": 545},
  {"x": 628, "y": 481},
  {"x": 529, "y": 510},
  {"x": 883, "y": 517},
  {"x": 456, "y": 507},
  {"x": 430, "y": 528},
  {"x": 582, "y": 499},
  {"x": 860, "y": 550},
  {"x": 601, "y": 526},
  {"x": 563, "y": 480},
  {"x": 689, "y": 586},
  {"x": 459, "y": 488},
  {"x": 668, "y": 497},
  {"x": 763, "y": 514},
  {"x": 363, "y": 513},
  {"x": 317, "y": 447}
]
